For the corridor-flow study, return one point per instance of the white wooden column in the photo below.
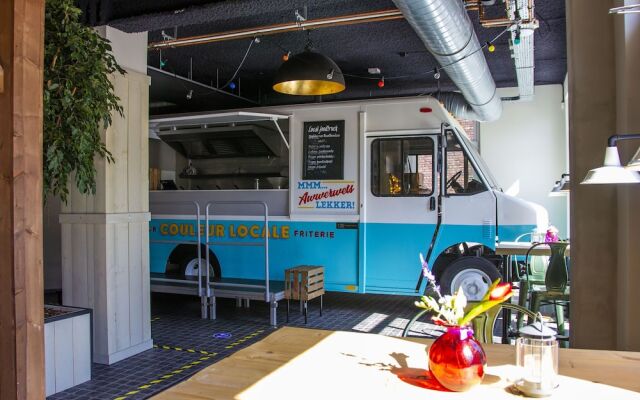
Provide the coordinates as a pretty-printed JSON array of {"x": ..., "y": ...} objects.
[{"x": 105, "y": 238}]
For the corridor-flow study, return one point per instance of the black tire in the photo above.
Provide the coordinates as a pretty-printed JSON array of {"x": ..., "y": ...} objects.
[
  {"x": 476, "y": 282},
  {"x": 183, "y": 255}
]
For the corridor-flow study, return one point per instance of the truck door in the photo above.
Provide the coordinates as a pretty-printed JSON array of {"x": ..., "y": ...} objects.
[
  {"x": 399, "y": 215},
  {"x": 468, "y": 219}
]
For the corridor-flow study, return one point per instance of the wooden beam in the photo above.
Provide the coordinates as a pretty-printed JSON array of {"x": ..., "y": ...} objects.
[
  {"x": 591, "y": 65},
  {"x": 21, "y": 287}
]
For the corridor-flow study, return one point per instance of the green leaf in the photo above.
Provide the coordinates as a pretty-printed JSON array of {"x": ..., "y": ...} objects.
[{"x": 79, "y": 99}]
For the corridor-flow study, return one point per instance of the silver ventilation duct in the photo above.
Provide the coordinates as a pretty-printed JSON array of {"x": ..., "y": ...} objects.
[
  {"x": 522, "y": 52},
  {"x": 457, "y": 105},
  {"x": 447, "y": 32}
]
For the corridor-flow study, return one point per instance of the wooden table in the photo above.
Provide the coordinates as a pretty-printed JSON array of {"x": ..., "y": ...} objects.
[
  {"x": 520, "y": 249},
  {"x": 296, "y": 363}
]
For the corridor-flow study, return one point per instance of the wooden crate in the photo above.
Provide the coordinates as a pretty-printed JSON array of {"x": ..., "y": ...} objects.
[{"x": 303, "y": 282}]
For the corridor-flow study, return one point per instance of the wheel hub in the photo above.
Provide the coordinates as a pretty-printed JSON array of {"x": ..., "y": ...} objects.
[
  {"x": 474, "y": 283},
  {"x": 191, "y": 268}
]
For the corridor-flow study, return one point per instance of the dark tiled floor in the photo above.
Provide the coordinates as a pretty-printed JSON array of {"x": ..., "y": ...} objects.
[{"x": 186, "y": 344}]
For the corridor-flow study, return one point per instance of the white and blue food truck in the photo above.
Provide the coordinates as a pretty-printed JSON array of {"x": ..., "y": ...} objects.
[{"x": 360, "y": 188}]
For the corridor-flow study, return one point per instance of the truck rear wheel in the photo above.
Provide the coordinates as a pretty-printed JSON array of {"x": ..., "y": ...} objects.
[
  {"x": 473, "y": 274},
  {"x": 186, "y": 260},
  {"x": 190, "y": 268}
]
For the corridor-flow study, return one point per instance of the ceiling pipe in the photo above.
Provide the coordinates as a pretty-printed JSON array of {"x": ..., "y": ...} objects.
[
  {"x": 310, "y": 24},
  {"x": 476, "y": 5},
  {"x": 447, "y": 32}
]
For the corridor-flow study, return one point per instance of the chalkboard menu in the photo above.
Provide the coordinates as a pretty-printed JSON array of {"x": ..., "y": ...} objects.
[{"x": 323, "y": 150}]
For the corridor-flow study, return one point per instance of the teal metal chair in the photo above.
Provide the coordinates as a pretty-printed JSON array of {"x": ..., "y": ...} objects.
[
  {"x": 530, "y": 275},
  {"x": 556, "y": 285},
  {"x": 484, "y": 324}
]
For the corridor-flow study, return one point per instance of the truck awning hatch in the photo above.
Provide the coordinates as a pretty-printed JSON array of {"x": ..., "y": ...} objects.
[
  {"x": 213, "y": 135},
  {"x": 213, "y": 118}
]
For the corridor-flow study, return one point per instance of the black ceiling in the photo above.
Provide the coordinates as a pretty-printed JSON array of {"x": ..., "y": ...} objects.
[{"x": 391, "y": 46}]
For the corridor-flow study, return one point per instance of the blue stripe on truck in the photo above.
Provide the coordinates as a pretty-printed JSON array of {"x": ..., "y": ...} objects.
[{"x": 390, "y": 261}]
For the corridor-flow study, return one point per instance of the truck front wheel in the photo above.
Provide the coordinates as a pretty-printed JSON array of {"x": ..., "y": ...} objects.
[{"x": 473, "y": 274}]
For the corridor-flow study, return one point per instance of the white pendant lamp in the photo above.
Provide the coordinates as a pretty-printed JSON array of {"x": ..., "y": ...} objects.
[
  {"x": 612, "y": 171},
  {"x": 562, "y": 187},
  {"x": 634, "y": 164}
]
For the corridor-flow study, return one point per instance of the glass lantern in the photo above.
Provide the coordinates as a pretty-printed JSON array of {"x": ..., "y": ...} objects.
[{"x": 537, "y": 360}]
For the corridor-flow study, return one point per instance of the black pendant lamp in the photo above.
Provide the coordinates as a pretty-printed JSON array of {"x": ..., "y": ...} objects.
[{"x": 309, "y": 74}]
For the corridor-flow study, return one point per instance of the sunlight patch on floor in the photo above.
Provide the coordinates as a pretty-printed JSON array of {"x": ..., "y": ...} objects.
[{"x": 370, "y": 323}]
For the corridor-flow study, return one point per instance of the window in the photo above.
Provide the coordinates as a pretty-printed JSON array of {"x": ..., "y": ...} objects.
[
  {"x": 462, "y": 178},
  {"x": 472, "y": 130},
  {"x": 402, "y": 167}
]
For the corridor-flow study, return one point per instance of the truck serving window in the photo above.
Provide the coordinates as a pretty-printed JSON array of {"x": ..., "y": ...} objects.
[
  {"x": 402, "y": 167},
  {"x": 462, "y": 178}
]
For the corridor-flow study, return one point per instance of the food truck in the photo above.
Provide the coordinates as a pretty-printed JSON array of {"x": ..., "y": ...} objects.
[{"x": 360, "y": 188}]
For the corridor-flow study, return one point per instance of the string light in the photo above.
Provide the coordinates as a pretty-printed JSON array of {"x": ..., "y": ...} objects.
[
  {"x": 232, "y": 85},
  {"x": 516, "y": 41},
  {"x": 285, "y": 57},
  {"x": 434, "y": 71},
  {"x": 381, "y": 83},
  {"x": 491, "y": 47}
]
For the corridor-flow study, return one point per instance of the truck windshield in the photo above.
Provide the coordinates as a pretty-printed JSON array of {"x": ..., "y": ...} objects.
[{"x": 484, "y": 169}]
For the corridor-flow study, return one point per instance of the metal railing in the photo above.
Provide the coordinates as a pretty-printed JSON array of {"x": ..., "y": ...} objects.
[
  {"x": 264, "y": 243},
  {"x": 207, "y": 287},
  {"x": 202, "y": 293}
]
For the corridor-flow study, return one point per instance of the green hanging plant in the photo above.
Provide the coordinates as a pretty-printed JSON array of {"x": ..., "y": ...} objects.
[{"x": 79, "y": 99}]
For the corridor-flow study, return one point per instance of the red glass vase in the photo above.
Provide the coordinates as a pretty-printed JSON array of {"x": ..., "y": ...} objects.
[{"x": 457, "y": 360}]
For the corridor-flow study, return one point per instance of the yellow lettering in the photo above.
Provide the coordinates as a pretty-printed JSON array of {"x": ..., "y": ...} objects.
[
  {"x": 173, "y": 229},
  {"x": 201, "y": 230},
  {"x": 285, "y": 231},
  {"x": 191, "y": 230},
  {"x": 164, "y": 229},
  {"x": 220, "y": 230},
  {"x": 253, "y": 231},
  {"x": 212, "y": 230},
  {"x": 232, "y": 232},
  {"x": 274, "y": 232},
  {"x": 243, "y": 231},
  {"x": 184, "y": 229}
]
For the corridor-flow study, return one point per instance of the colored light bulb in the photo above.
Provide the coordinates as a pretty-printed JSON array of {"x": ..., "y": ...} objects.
[
  {"x": 232, "y": 85},
  {"x": 491, "y": 47}
]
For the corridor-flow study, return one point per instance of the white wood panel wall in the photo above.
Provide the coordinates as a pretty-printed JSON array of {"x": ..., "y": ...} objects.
[
  {"x": 105, "y": 243},
  {"x": 119, "y": 185},
  {"x": 67, "y": 357}
]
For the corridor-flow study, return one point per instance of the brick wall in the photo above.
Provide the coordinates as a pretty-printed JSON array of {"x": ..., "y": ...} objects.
[
  {"x": 472, "y": 128},
  {"x": 455, "y": 160}
]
